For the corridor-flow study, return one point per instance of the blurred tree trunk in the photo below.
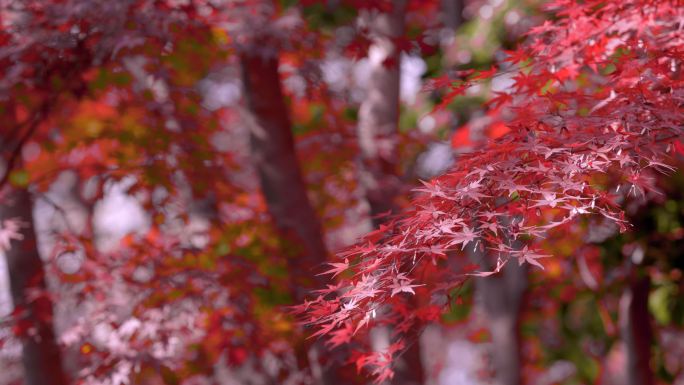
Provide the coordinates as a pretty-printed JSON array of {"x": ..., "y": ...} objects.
[
  {"x": 452, "y": 19},
  {"x": 379, "y": 112},
  {"x": 502, "y": 299},
  {"x": 637, "y": 334},
  {"x": 377, "y": 133},
  {"x": 273, "y": 151},
  {"x": 41, "y": 355},
  {"x": 452, "y": 13}
]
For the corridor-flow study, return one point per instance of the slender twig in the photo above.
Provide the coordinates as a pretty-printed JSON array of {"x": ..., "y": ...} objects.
[
  {"x": 16, "y": 152},
  {"x": 60, "y": 210}
]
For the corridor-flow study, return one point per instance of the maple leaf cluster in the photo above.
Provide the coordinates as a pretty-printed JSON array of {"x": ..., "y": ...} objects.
[{"x": 595, "y": 110}]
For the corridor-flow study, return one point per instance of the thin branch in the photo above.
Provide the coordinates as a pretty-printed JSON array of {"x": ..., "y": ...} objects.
[
  {"x": 60, "y": 210},
  {"x": 32, "y": 127}
]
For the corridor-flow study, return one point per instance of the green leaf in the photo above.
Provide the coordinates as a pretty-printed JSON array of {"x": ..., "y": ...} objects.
[
  {"x": 169, "y": 377},
  {"x": 19, "y": 178}
]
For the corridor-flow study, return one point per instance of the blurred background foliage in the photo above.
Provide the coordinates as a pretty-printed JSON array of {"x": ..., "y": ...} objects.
[{"x": 197, "y": 238}]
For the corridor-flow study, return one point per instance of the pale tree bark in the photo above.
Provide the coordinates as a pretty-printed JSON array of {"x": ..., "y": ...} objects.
[
  {"x": 502, "y": 297},
  {"x": 377, "y": 132},
  {"x": 41, "y": 355},
  {"x": 379, "y": 112},
  {"x": 636, "y": 330}
]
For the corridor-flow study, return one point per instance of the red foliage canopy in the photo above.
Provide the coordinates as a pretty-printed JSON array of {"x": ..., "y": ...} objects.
[{"x": 596, "y": 108}]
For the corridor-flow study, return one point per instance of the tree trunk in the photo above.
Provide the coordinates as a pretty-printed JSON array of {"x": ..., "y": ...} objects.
[
  {"x": 452, "y": 19},
  {"x": 377, "y": 133},
  {"x": 452, "y": 13},
  {"x": 635, "y": 324},
  {"x": 502, "y": 297},
  {"x": 379, "y": 113},
  {"x": 273, "y": 151},
  {"x": 41, "y": 355}
]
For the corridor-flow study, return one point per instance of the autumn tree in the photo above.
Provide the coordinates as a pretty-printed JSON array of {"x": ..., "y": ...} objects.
[
  {"x": 273, "y": 150},
  {"x": 591, "y": 97},
  {"x": 47, "y": 54},
  {"x": 285, "y": 192},
  {"x": 33, "y": 304}
]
